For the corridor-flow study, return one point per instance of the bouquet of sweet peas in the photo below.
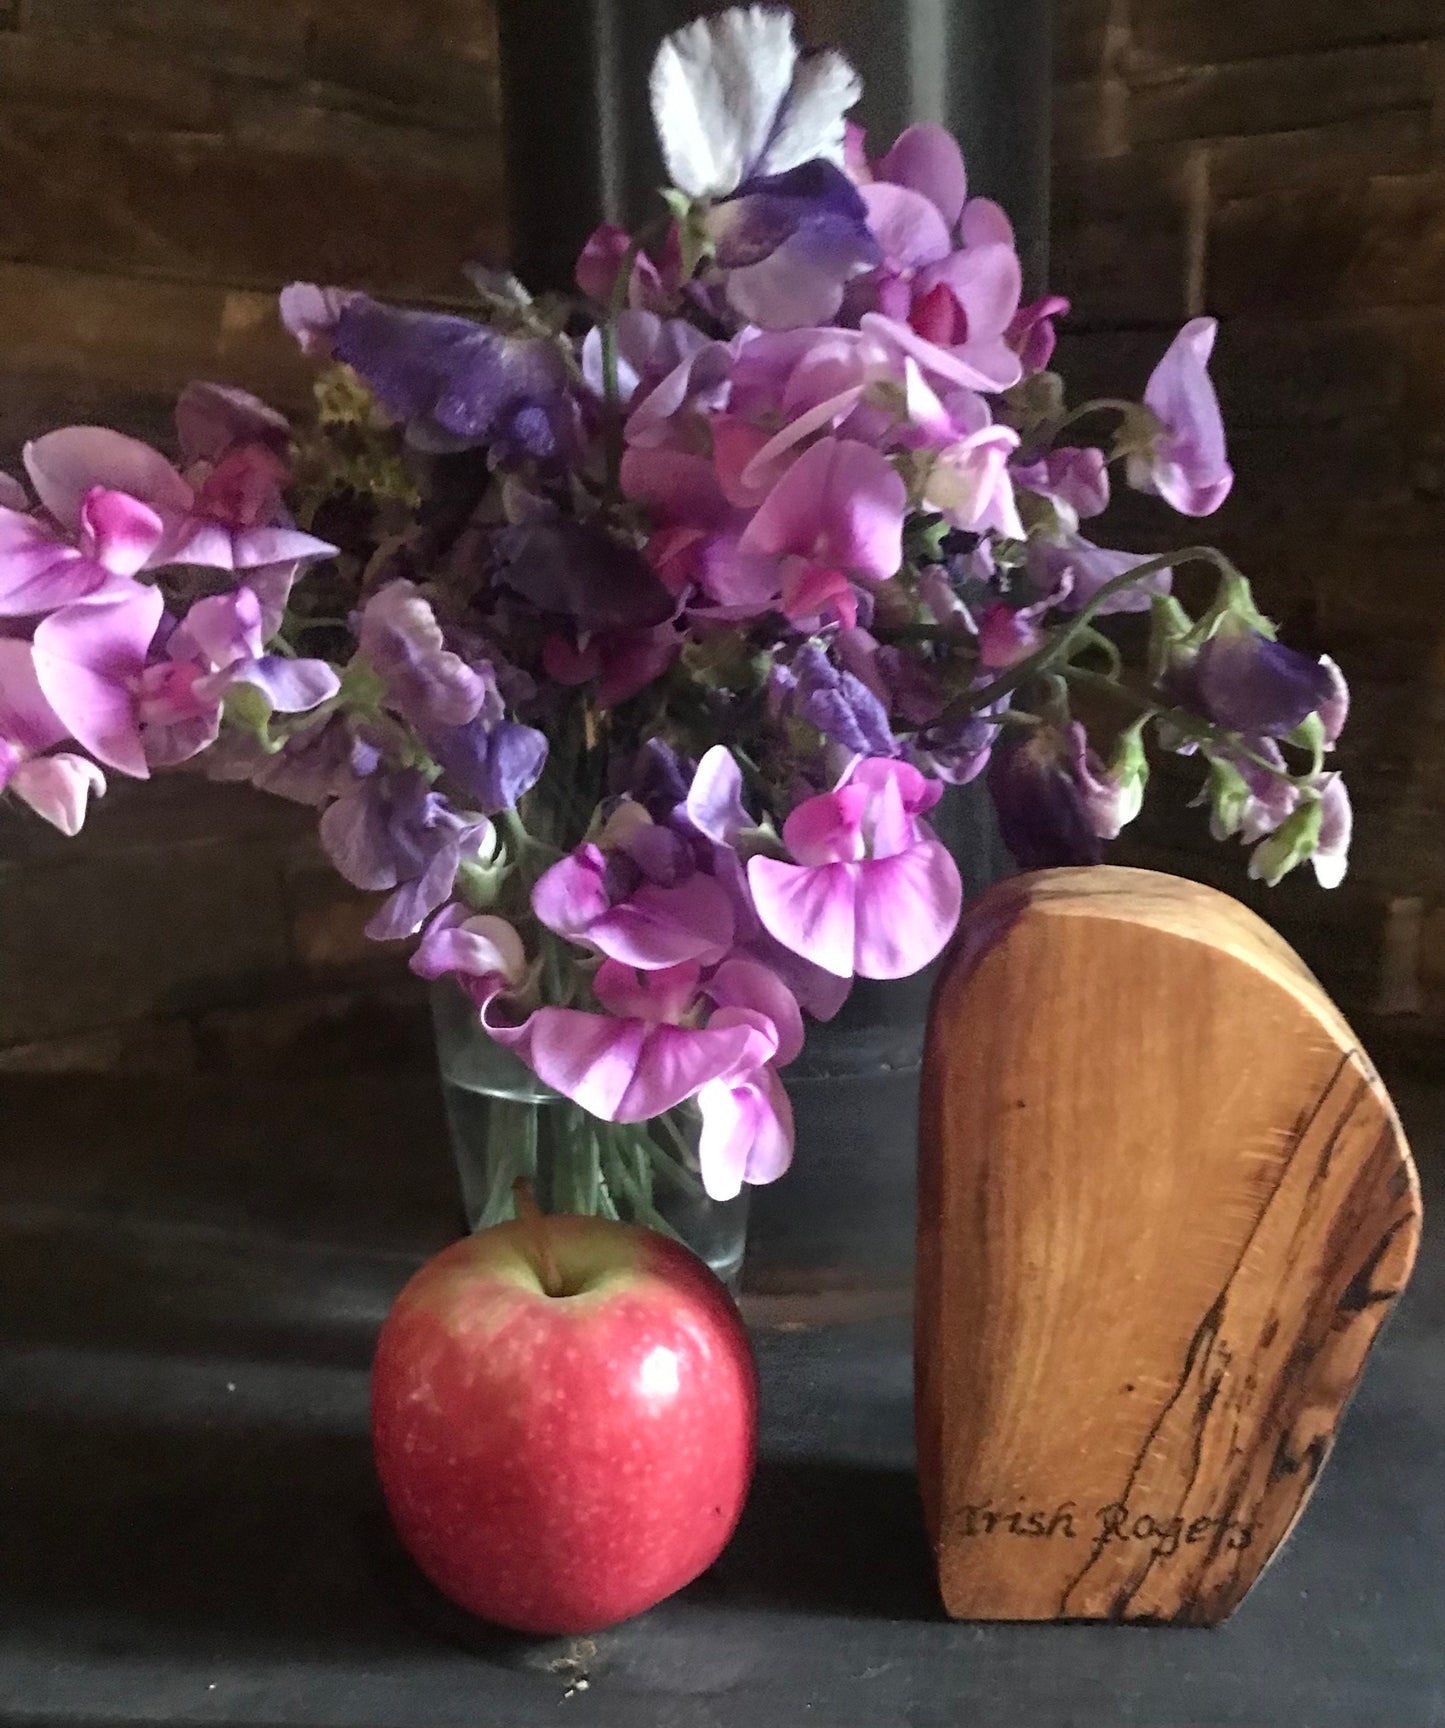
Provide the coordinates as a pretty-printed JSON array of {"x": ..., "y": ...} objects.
[{"x": 624, "y": 641}]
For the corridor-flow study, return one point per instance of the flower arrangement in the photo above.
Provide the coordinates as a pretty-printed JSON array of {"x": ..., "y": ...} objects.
[{"x": 624, "y": 642}]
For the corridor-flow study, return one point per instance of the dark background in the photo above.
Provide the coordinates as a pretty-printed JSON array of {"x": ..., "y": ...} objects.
[{"x": 165, "y": 165}]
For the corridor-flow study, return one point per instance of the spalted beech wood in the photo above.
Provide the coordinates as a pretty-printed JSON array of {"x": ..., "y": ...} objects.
[{"x": 1165, "y": 1205}]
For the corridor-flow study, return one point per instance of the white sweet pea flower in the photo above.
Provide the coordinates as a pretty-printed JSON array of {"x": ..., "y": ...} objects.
[{"x": 734, "y": 99}]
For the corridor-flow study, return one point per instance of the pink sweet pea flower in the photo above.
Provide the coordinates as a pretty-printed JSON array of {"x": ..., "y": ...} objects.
[
  {"x": 747, "y": 1132},
  {"x": 226, "y": 522},
  {"x": 840, "y": 508},
  {"x": 1031, "y": 332},
  {"x": 969, "y": 482},
  {"x": 643, "y": 903},
  {"x": 483, "y": 952},
  {"x": 926, "y": 159},
  {"x": 89, "y": 663},
  {"x": 645, "y": 1054},
  {"x": 960, "y": 295},
  {"x": 219, "y": 644},
  {"x": 56, "y": 787},
  {"x": 871, "y": 891},
  {"x": 43, "y": 569},
  {"x": 1186, "y": 465}
]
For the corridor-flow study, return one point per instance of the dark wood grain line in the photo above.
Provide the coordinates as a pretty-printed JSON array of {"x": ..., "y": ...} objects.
[{"x": 1206, "y": 1334}]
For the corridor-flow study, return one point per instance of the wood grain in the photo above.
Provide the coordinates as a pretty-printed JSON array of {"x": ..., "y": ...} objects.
[{"x": 1165, "y": 1204}]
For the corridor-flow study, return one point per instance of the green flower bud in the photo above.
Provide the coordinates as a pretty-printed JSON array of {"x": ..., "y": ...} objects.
[{"x": 1291, "y": 844}]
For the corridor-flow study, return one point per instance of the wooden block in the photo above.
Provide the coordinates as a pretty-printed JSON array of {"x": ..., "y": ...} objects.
[{"x": 1165, "y": 1204}]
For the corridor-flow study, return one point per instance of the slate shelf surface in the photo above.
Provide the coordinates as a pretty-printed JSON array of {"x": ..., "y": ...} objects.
[{"x": 190, "y": 1281}]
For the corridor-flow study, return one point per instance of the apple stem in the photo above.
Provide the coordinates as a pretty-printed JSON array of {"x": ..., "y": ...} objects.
[{"x": 532, "y": 1218}]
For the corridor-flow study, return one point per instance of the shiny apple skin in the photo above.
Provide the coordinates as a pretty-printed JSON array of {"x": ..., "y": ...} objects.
[{"x": 556, "y": 1464}]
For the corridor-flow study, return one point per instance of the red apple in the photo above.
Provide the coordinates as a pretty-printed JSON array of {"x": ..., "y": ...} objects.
[{"x": 564, "y": 1415}]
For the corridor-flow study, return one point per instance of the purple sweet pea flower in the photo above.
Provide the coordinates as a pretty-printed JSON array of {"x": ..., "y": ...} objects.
[
  {"x": 1073, "y": 570},
  {"x": 394, "y": 833},
  {"x": 311, "y": 315},
  {"x": 713, "y": 802},
  {"x": 400, "y": 639},
  {"x": 958, "y": 751},
  {"x": 1186, "y": 464},
  {"x": 493, "y": 761},
  {"x": 1335, "y": 709},
  {"x": 641, "y": 901},
  {"x": 217, "y": 646},
  {"x": 754, "y": 127},
  {"x": 1043, "y": 811},
  {"x": 1332, "y": 850},
  {"x": 315, "y": 765},
  {"x": 1245, "y": 798},
  {"x": 872, "y": 892},
  {"x": 1074, "y": 480},
  {"x": 788, "y": 244},
  {"x": 454, "y": 383},
  {"x": 653, "y": 354},
  {"x": 837, "y": 703},
  {"x": 580, "y": 573},
  {"x": 1242, "y": 680}
]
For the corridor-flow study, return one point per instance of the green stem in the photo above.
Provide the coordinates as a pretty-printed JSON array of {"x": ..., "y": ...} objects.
[
  {"x": 1056, "y": 652},
  {"x": 1098, "y": 405},
  {"x": 638, "y": 1196},
  {"x": 1191, "y": 725},
  {"x": 611, "y": 385}
]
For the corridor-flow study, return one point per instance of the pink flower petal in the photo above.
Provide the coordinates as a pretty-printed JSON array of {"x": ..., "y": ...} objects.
[
  {"x": 927, "y": 159},
  {"x": 907, "y": 226},
  {"x": 808, "y": 909},
  {"x": 747, "y": 1133},
  {"x": 918, "y": 790},
  {"x": 480, "y": 946},
  {"x": 907, "y": 908},
  {"x": 985, "y": 223},
  {"x": 840, "y": 503},
  {"x": 676, "y": 486},
  {"x": 828, "y": 829},
  {"x": 570, "y": 896},
  {"x": 223, "y": 628},
  {"x": 118, "y": 531},
  {"x": 657, "y": 927},
  {"x": 26, "y": 718},
  {"x": 65, "y": 465},
  {"x": 808, "y": 588},
  {"x": 621, "y": 1070},
  {"x": 87, "y": 658},
  {"x": 41, "y": 573},
  {"x": 987, "y": 283},
  {"x": 741, "y": 983},
  {"x": 667, "y": 994},
  {"x": 58, "y": 788}
]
